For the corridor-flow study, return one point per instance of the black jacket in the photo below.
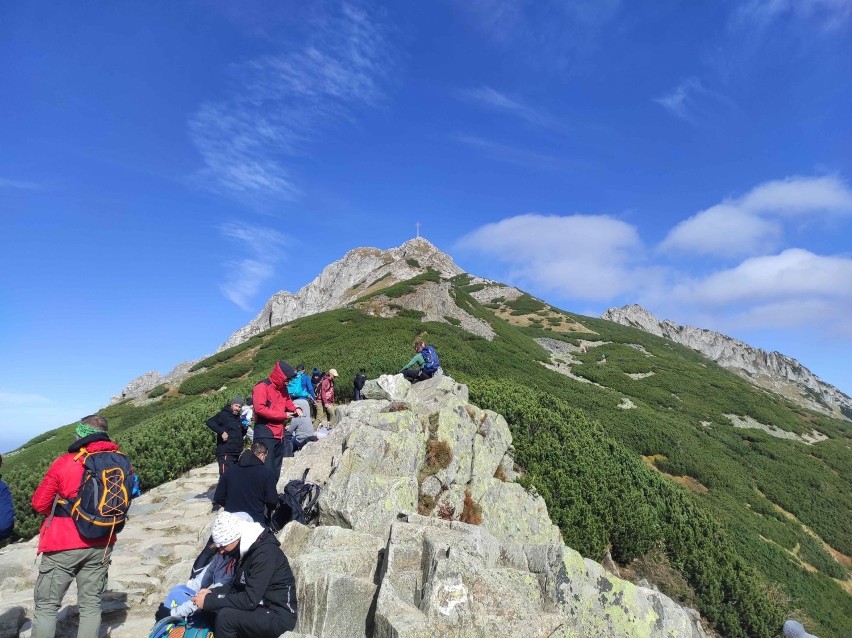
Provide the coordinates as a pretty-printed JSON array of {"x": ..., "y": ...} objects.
[
  {"x": 360, "y": 380},
  {"x": 227, "y": 421},
  {"x": 248, "y": 486},
  {"x": 262, "y": 577}
]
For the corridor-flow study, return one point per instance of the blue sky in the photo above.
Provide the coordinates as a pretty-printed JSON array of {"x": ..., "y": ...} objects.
[{"x": 165, "y": 167}]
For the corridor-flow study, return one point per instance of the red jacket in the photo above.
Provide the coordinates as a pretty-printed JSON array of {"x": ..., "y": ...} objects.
[
  {"x": 326, "y": 389},
  {"x": 62, "y": 479},
  {"x": 272, "y": 403}
]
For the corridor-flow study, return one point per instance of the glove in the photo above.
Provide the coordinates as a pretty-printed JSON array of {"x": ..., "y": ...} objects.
[{"x": 185, "y": 609}]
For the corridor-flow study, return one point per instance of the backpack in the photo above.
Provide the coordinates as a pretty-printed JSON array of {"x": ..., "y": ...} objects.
[
  {"x": 296, "y": 503},
  {"x": 100, "y": 508},
  {"x": 7, "y": 511},
  {"x": 296, "y": 388},
  {"x": 177, "y": 627},
  {"x": 430, "y": 357}
]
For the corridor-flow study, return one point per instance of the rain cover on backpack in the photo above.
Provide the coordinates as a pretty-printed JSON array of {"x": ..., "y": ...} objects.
[
  {"x": 100, "y": 508},
  {"x": 430, "y": 357}
]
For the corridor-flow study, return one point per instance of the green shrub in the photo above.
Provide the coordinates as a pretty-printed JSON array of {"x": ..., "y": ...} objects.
[
  {"x": 158, "y": 391},
  {"x": 412, "y": 262},
  {"x": 215, "y": 378},
  {"x": 525, "y": 305}
]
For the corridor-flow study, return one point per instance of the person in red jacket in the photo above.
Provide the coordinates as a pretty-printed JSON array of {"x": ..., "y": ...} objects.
[
  {"x": 325, "y": 398},
  {"x": 65, "y": 554},
  {"x": 272, "y": 407}
]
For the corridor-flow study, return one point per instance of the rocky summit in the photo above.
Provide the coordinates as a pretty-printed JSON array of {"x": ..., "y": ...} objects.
[
  {"x": 770, "y": 370},
  {"x": 410, "y": 543}
]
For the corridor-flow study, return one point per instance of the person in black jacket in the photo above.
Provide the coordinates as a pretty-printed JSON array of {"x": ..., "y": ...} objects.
[
  {"x": 229, "y": 429},
  {"x": 360, "y": 380},
  {"x": 260, "y": 601},
  {"x": 249, "y": 486}
]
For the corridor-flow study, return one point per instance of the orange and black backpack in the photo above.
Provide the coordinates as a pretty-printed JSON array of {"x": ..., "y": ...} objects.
[{"x": 100, "y": 508}]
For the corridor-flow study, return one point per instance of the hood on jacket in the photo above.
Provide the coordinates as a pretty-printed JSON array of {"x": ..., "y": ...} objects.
[
  {"x": 249, "y": 532},
  {"x": 248, "y": 458},
  {"x": 97, "y": 437},
  {"x": 281, "y": 373}
]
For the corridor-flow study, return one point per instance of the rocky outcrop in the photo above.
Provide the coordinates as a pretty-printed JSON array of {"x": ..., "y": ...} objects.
[
  {"x": 359, "y": 272},
  {"x": 770, "y": 370},
  {"x": 143, "y": 385},
  {"x": 374, "y": 566}
]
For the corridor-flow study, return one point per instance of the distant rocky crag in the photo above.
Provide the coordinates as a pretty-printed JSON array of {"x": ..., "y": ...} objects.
[
  {"x": 770, "y": 370},
  {"x": 392, "y": 555}
]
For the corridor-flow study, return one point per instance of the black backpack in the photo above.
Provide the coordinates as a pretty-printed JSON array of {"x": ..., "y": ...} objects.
[
  {"x": 100, "y": 508},
  {"x": 298, "y": 502}
]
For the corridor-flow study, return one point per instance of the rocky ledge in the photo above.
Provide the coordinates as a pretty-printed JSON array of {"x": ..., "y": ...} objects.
[{"x": 391, "y": 555}]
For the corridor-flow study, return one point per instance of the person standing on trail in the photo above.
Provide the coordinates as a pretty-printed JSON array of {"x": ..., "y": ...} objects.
[
  {"x": 66, "y": 555},
  {"x": 325, "y": 398},
  {"x": 229, "y": 429},
  {"x": 272, "y": 407}
]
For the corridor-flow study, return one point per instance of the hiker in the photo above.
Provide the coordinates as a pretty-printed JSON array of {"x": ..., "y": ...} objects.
[
  {"x": 272, "y": 407},
  {"x": 260, "y": 600},
  {"x": 300, "y": 386},
  {"x": 301, "y": 427},
  {"x": 66, "y": 554},
  {"x": 246, "y": 415},
  {"x": 230, "y": 431},
  {"x": 316, "y": 377},
  {"x": 249, "y": 486},
  {"x": 325, "y": 395},
  {"x": 358, "y": 383},
  {"x": 423, "y": 364},
  {"x": 211, "y": 569},
  {"x": 7, "y": 510}
]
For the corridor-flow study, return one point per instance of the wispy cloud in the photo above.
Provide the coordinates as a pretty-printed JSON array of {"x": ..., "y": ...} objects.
[
  {"x": 278, "y": 104},
  {"x": 827, "y": 14},
  {"x": 18, "y": 184},
  {"x": 514, "y": 155},
  {"x": 689, "y": 100},
  {"x": 544, "y": 33},
  {"x": 244, "y": 277},
  {"x": 753, "y": 224},
  {"x": 494, "y": 100}
]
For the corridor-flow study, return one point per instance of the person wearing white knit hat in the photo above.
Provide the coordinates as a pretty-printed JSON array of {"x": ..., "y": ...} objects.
[{"x": 260, "y": 600}]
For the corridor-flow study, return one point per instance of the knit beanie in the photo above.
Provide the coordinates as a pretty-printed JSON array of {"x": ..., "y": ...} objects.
[
  {"x": 238, "y": 400},
  {"x": 226, "y": 529}
]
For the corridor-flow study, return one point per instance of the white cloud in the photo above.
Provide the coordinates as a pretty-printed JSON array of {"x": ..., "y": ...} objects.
[
  {"x": 800, "y": 195},
  {"x": 244, "y": 277},
  {"x": 752, "y": 224},
  {"x": 792, "y": 275},
  {"x": 725, "y": 230},
  {"x": 582, "y": 256},
  {"x": 278, "y": 104},
  {"x": 495, "y": 100},
  {"x": 688, "y": 100}
]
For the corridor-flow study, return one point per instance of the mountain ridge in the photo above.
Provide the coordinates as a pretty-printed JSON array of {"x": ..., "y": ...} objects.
[{"x": 772, "y": 371}]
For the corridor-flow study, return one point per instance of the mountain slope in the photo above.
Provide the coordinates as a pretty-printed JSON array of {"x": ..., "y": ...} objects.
[
  {"x": 651, "y": 416},
  {"x": 770, "y": 370}
]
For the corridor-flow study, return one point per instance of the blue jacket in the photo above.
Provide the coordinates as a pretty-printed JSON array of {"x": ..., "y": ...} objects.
[{"x": 7, "y": 511}]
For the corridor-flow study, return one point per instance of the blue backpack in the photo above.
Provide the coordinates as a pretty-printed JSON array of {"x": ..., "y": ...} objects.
[
  {"x": 7, "y": 511},
  {"x": 430, "y": 357},
  {"x": 177, "y": 627}
]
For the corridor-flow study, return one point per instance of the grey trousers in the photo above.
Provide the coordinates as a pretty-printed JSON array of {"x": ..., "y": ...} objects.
[{"x": 89, "y": 568}]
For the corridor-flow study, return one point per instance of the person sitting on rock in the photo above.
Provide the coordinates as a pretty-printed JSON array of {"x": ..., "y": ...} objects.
[
  {"x": 301, "y": 427},
  {"x": 423, "y": 364},
  {"x": 260, "y": 600},
  {"x": 249, "y": 486}
]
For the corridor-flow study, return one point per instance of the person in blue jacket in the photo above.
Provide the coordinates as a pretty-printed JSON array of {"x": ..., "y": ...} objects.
[{"x": 7, "y": 509}]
